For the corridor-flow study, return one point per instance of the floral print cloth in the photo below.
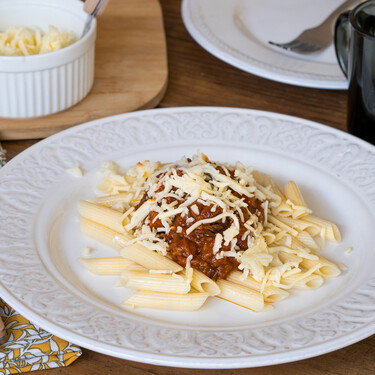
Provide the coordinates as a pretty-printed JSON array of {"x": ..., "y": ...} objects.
[{"x": 29, "y": 347}]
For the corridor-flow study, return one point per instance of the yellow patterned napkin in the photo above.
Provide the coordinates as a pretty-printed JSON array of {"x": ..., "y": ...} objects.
[{"x": 29, "y": 347}]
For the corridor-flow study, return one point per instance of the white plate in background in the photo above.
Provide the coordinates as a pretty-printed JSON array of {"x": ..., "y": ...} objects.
[{"x": 238, "y": 31}]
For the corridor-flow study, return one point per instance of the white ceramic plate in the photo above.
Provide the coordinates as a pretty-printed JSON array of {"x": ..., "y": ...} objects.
[
  {"x": 40, "y": 239},
  {"x": 238, "y": 32}
]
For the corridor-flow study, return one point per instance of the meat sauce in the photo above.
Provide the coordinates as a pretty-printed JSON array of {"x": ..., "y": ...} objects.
[{"x": 200, "y": 242}]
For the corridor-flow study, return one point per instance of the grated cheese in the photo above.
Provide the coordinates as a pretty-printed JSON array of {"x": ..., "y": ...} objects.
[
  {"x": 195, "y": 209},
  {"x": 188, "y": 263},
  {"x": 217, "y": 244},
  {"x": 76, "y": 171},
  {"x": 348, "y": 250},
  {"x": 24, "y": 41},
  {"x": 189, "y": 185},
  {"x": 86, "y": 251}
]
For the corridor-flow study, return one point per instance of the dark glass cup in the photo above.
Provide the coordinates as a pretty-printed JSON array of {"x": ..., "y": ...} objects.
[{"x": 355, "y": 50}]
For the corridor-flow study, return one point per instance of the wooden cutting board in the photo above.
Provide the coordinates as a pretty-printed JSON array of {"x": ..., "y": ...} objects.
[{"x": 130, "y": 71}]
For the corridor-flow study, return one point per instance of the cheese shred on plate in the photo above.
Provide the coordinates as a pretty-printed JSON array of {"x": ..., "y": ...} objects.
[
  {"x": 24, "y": 41},
  {"x": 219, "y": 218}
]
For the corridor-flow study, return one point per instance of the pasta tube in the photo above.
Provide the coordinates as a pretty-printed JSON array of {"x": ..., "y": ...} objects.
[
  {"x": 332, "y": 233},
  {"x": 241, "y": 295},
  {"x": 110, "y": 200},
  {"x": 270, "y": 293},
  {"x": 208, "y": 213},
  {"x": 300, "y": 225},
  {"x": 158, "y": 282},
  {"x": 100, "y": 214},
  {"x": 203, "y": 283},
  {"x": 283, "y": 209},
  {"x": 303, "y": 281},
  {"x": 167, "y": 301},
  {"x": 237, "y": 277},
  {"x": 149, "y": 259},
  {"x": 290, "y": 258},
  {"x": 307, "y": 240},
  {"x": 280, "y": 222},
  {"x": 324, "y": 267},
  {"x": 102, "y": 234},
  {"x": 109, "y": 265},
  {"x": 292, "y": 193}
]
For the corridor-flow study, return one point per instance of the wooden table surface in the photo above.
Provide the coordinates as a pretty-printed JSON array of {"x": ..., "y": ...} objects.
[{"x": 198, "y": 78}]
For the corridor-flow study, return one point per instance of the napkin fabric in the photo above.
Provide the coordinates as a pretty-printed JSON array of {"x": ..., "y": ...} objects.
[{"x": 29, "y": 347}]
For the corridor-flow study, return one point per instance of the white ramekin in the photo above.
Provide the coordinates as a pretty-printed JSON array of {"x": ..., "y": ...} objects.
[{"x": 39, "y": 85}]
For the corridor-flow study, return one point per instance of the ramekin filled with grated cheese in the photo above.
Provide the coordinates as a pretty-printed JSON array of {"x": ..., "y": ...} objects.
[
  {"x": 45, "y": 67},
  {"x": 26, "y": 41}
]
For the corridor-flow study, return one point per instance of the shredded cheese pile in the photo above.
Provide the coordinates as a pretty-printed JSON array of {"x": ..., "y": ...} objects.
[
  {"x": 274, "y": 250},
  {"x": 23, "y": 41}
]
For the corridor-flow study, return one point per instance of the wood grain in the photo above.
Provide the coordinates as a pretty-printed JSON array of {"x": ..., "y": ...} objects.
[
  {"x": 197, "y": 78},
  {"x": 130, "y": 71},
  {"x": 356, "y": 359}
]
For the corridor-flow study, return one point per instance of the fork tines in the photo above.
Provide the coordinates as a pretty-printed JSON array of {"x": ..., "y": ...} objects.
[{"x": 298, "y": 46}]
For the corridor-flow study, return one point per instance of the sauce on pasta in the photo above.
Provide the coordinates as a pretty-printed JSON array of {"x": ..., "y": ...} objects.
[
  {"x": 199, "y": 244},
  {"x": 195, "y": 228}
]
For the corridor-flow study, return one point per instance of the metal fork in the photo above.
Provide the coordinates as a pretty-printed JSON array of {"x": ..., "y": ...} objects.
[
  {"x": 319, "y": 37},
  {"x": 93, "y": 8}
]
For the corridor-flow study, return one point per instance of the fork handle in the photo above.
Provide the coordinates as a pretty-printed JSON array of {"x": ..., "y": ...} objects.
[{"x": 95, "y": 7}]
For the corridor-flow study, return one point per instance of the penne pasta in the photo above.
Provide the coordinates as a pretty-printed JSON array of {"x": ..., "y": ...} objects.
[
  {"x": 300, "y": 225},
  {"x": 283, "y": 209},
  {"x": 249, "y": 282},
  {"x": 110, "y": 200},
  {"x": 267, "y": 180},
  {"x": 267, "y": 307},
  {"x": 292, "y": 193},
  {"x": 109, "y": 265},
  {"x": 149, "y": 259},
  {"x": 258, "y": 177},
  {"x": 270, "y": 293},
  {"x": 102, "y": 215},
  {"x": 203, "y": 283},
  {"x": 297, "y": 212},
  {"x": 324, "y": 267},
  {"x": 307, "y": 240},
  {"x": 241, "y": 295},
  {"x": 158, "y": 282},
  {"x": 171, "y": 221},
  {"x": 332, "y": 233},
  {"x": 167, "y": 301},
  {"x": 303, "y": 281},
  {"x": 276, "y": 189},
  {"x": 102, "y": 234},
  {"x": 290, "y": 258},
  {"x": 282, "y": 223}
]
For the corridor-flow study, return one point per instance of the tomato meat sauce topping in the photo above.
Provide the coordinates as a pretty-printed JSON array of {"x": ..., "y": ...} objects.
[{"x": 199, "y": 243}]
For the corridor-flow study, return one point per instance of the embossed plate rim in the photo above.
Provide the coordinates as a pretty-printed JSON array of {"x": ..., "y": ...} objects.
[{"x": 56, "y": 323}]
